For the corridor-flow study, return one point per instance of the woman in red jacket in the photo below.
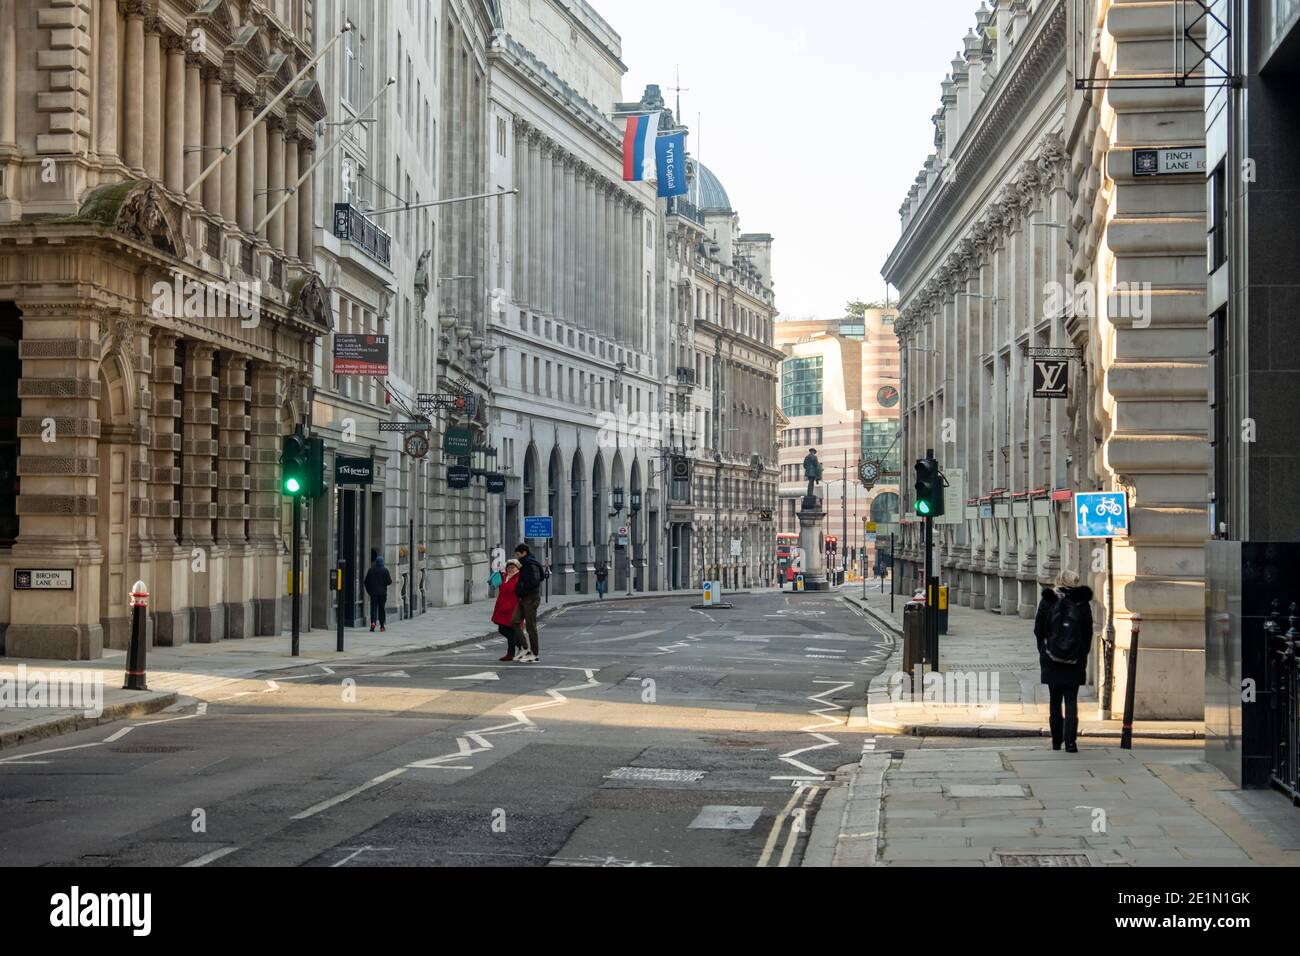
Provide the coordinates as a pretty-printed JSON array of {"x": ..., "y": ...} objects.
[{"x": 504, "y": 613}]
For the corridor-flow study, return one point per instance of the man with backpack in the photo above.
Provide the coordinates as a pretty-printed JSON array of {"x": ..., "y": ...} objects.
[
  {"x": 1063, "y": 630},
  {"x": 529, "y": 593}
]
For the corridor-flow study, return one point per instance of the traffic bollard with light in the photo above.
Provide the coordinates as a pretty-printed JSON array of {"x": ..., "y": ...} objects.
[{"x": 135, "y": 659}]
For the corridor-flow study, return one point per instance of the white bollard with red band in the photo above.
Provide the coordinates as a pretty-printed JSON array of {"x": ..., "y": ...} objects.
[{"x": 135, "y": 672}]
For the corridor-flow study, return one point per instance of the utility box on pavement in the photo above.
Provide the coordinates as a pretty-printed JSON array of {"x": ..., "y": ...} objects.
[{"x": 913, "y": 635}]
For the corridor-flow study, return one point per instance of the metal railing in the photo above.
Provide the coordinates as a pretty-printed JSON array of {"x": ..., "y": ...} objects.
[
  {"x": 687, "y": 210},
  {"x": 353, "y": 225}
]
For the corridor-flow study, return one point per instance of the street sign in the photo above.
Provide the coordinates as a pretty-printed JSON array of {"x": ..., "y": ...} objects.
[
  {"x": 456, "y": 442},
  {"x": 1101, "y": 514},
  {"x": 459, "y": 477},
  {"x": 360, "y": 354},
  {"x": 539, "y": 528},
  {"x": 1052, "y": 378},
  {"x": 623, "y": 534},
  {"x": 1178, "y": 161},
  {"x": 870, "y": 537},
  {"x": 353, "y": 471},
  {"x": 712, "y": 593},
  {"x": 735, "y": 547},
  {"x": 765, "y": 514},
  {"x": 496, "y": 484},
  {"x": 59, "y": 579},
  {"x": 954, "y": 497}
]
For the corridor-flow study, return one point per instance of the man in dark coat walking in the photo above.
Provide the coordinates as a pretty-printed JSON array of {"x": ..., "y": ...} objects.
[
  {"x": 378, "y": 581},
  {"x": 1069, "y": 605}
]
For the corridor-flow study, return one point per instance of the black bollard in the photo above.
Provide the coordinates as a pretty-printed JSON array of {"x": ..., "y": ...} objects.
[
  {"x": 135, "y": 666},
  {"x": 1126, "y": 733}
]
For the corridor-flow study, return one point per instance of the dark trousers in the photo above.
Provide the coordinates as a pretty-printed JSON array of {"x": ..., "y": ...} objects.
[
  {"x": 511, "y": 634},
  {"x": 378, "y": 611},
  {"x": 1065, "y": 726},
  {"x": 526, "y": 618}
]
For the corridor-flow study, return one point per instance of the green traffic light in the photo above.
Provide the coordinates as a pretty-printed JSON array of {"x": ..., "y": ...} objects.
[
  {"x": 292, "y": 486},
  {"x": 923, "y": 507}
]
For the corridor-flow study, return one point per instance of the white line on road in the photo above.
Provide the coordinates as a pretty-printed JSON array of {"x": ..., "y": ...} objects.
[
  {"x": 119, "y": 735},
  {"x": 626, "y": 637},
  {"x": 207, "y": 858},
  {"x": 335, "y": 801},
  {"x": 202, "y": 709},
  {"x": 56, "y": 750}
]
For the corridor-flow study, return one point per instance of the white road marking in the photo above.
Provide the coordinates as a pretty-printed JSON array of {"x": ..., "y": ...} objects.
[
  {"x": 391, "y": 674},
  {"x": 327, "y": 670},
  {"x": 202, "y": 709},
  {"x": 119, "y": 735},
  {"x": 811, "y": 729},
  {"x": 485, "y": 675},
  {"x": 56, "y": 750},
  {"x": 358, "y": 851},
  {"x": 271, "y": 686},
  {"x": 207, "y": 858},
  {"x": 342, "y": 797},
  {"x": 626, "y": 637}
]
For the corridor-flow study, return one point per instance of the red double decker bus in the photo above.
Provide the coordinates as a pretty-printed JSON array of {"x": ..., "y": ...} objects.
[{"x": 787, "y": 543}]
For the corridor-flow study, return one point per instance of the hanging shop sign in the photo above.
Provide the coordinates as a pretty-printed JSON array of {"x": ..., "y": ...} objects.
[
  {"x": 459, "y": 477},
  {"x": 456, "y": 442},
  {"x": 354, "y": 471},
  {"x": 417, "y": 445},
  {"x": 496, "y": 484},
  {"x": 1052, "y": 378}
]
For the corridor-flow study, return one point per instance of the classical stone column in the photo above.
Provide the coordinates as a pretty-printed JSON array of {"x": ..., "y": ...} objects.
[
  {"x": 260, "y": 166},
  {"x": 560, "y": 214},
  {"x": 546, "y": 239},
  {"x": 234, "y": 484},
  {"x": 8, "y": 72},
  {"x": 107, "y": 92},
  {"x": 59, "y": 433},
  {"x": 199, "y": 481},
  {"x": 534, "y": 220},
  {"x": 264, "y": 497},
  {"x": 211, "y": 137},
  {"x": 133, "y": 89},
  {"x": 153, "y": 87},
  {"x": 275, "y": 180},
  {"x": 570, "y": 242},
  {"x": 193, "y": 106},
  {"x": 306, "y": 205},
  {"x": 228, "y": 170},
  {"x": 600, "y": 261},
  {"x": 520, "y": 208},
  {"x": 174, "y": 127},
  {"x": 585, "y": 232},
  {"x": 290, "y": 228},
  {"x": 169, "y": 580},
  {"x": 245, "y": 160}
]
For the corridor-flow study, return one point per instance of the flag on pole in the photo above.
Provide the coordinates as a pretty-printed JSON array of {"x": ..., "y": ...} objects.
[
  {"x": 639, "y": 147},
  {"x": 670, "y": 151}
]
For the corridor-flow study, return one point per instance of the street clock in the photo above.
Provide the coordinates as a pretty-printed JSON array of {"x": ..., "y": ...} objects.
[
  {"x": 869, "y": 472},
  {"x": 887, "y": 396}
]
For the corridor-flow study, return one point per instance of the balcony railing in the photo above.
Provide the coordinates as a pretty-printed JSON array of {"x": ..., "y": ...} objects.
[
  {"x": 353, "y": 225},
  {"x": 685, "y": 376},
  {"x": 678, "y": 206}
]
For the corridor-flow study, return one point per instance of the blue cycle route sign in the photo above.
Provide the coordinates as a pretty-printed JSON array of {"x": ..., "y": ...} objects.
[
  {"x": 538, "y": 528},
  {"x": 1101, "y": 514}
]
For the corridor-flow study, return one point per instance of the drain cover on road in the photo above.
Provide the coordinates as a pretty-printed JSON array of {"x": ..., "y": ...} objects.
[
  {"x": 726, "y": 818},
  {"x": 656, "y": 774},
  {"x": 1043, "y": 859}
]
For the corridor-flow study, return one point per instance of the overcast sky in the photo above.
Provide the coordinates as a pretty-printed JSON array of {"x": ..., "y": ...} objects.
[{"x": 816, "y": 126}]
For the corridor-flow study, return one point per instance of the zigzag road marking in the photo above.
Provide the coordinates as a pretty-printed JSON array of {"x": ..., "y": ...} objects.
[{"x": 811, "y": 729}]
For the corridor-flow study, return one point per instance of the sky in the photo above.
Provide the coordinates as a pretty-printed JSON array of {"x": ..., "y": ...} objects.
[{"x": 816, "y": 126}]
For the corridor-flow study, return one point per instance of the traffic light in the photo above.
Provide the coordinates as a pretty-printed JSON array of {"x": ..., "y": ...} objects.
[
  {"x": 832, "y": 544},
  {"x": 294, "y": 478},
  {"x": 929, "y": 488},
  {"x": 317, "y": 483}
]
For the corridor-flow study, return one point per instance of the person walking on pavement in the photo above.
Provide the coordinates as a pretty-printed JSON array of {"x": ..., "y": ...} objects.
[
  {"x": 528, "y": 589},
  {"x": 602, "y": 579},
  {"x": 503, "y": 614},
  {"x": 378, "y": 581},
  {"x": 1063, "y": 630}
]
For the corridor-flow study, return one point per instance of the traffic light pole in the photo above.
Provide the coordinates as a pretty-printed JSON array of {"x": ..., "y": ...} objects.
[
  {"x": 297, "y": 570},
  {"x": 931, "y": 600}
]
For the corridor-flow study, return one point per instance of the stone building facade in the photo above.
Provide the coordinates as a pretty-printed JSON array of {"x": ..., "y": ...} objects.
[
  {"x": 1027, "y": 229},
  {"x": 156, "y": 343}
]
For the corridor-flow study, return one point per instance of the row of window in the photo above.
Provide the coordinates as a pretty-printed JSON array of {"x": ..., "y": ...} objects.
[
  {"x": 799, "y": 437},
  {"x": 801, "y": 386}
]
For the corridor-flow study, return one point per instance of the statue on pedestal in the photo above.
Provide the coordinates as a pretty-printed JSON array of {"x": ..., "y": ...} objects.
[{"x": 812, "y": 470}]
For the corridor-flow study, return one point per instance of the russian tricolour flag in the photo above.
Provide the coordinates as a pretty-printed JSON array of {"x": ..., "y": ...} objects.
[{"x": 639, "y": 147}]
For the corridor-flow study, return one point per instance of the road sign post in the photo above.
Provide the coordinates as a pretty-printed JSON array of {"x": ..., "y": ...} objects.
[{"x": 1104, "y": 515}]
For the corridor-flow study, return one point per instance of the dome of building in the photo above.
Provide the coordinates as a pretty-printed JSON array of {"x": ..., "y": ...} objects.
[{"x": 706, "y": 192}]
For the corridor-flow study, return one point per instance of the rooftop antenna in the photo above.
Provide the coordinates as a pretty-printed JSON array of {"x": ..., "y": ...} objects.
[{"x": 679, "y": 90}]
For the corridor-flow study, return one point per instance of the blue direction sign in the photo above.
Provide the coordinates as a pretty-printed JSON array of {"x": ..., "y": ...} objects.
[
  {"x": 537, "y": 528},
  {"x": 1101, "y": 514}
]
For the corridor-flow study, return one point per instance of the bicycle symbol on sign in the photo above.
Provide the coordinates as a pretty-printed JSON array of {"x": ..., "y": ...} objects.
[{"x": 1112, "y": 507}]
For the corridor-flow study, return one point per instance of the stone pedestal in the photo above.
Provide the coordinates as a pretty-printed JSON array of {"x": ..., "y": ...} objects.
[{"x": 811, "y": 516}]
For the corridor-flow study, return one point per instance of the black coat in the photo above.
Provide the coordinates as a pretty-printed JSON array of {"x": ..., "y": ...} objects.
[
  {"x": 531, "y": 576},
  {"x": 378, "y": 581},
  {"x": 1054, "y": 673}
]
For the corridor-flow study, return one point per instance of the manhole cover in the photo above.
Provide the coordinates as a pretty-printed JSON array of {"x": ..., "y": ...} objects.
[
  {"x": 1043, "y": 859},
  {"x": 150, "y": 749},
  {"x": 656, "y": 774}
]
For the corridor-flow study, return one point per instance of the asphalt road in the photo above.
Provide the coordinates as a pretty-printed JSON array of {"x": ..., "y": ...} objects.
[{"x": 650, "y": 734}]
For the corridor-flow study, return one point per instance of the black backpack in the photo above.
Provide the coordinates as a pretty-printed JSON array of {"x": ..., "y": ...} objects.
[{"x": 1067, "y": 632}]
